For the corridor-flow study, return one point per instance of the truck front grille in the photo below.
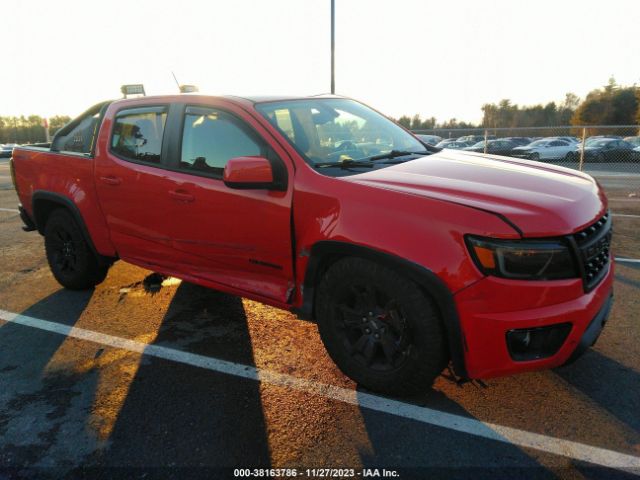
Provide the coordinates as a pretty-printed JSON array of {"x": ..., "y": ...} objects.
[{"x": 593, "y": 250}]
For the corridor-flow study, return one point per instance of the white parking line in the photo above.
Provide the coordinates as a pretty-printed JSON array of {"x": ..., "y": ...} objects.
[
  {"x": 9, "y": 210},
  {"x": 490, "y": 431},
  {"x": 625, "y": 215}
]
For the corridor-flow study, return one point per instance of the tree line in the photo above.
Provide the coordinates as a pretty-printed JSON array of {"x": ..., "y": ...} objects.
[
  {"x": 29, "y": 129},
  {"x": 612, "y": 104}
]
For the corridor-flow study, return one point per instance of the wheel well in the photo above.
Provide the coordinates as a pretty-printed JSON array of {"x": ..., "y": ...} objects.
[
  {"x": 45, "y": 203},
  {"x": 42, "y": 209},
  {"x": 324, "y": 254}
]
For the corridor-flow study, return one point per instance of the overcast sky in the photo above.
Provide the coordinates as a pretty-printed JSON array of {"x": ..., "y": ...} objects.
[{"x": 442, "y": 59}]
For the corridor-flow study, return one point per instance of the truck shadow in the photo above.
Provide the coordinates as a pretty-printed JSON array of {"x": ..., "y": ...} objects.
[
  {"x": 613, "y": 386},
  {"x": 35, "y": 399},
  {"x": 186, "y": 419},
  {"x": 428, "y": 451}
]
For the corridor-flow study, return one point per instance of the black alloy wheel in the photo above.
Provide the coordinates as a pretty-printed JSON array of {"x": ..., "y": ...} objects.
[
  {"x": 380, "y": 328},
  {"x": 373, "y": 327},
  {"x": 71, "y": 259}
]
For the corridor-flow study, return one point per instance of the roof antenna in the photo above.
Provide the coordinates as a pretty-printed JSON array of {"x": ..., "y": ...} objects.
[
  {"x": 185, "y": 88},
  {"x": 175, "y": 78}
]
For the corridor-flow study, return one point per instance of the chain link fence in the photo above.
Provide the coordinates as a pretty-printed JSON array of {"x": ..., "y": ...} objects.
[{"x": 596, "y": 149}]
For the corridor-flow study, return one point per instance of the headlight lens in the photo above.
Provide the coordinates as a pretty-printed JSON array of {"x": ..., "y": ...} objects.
[{"x": 523, "y": 260}]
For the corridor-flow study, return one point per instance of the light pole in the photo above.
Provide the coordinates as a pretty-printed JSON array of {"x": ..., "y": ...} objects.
[{"x": 333, "y": 46}]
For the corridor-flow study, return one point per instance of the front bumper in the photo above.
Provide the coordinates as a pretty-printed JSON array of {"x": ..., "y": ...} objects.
[{"x": 492, "y": 307}]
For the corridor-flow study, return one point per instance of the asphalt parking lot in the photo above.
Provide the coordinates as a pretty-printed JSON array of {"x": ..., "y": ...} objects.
[{"x": 143, "y": 380}]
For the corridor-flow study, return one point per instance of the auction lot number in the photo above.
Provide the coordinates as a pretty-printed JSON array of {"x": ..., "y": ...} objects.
[{"x": 315, "y": 472}]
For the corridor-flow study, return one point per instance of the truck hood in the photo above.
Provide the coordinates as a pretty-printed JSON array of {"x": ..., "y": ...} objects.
[{"x": 540, "y": 200}]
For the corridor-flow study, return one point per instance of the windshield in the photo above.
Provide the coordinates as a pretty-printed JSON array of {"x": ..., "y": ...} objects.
[
  {"x": 538, "y": 143},
  {"x": 600, "y": 143},
  {"x": 336, "y": 130}
]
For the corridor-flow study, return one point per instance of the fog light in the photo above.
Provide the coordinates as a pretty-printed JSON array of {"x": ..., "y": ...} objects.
[{"x": 536, "y": 343}]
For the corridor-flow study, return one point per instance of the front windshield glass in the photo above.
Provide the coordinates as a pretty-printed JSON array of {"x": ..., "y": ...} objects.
[
  {"x": 336, "y": 130},
  {"x": 539, "y": 143}
]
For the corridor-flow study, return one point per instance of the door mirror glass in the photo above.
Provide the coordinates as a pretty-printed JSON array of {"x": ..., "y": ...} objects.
[{"x": 248, "y": 173}]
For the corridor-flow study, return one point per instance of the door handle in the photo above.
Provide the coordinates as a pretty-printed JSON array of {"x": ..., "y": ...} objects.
[
  {"x": 181, "y": 195},
  {"x": 111, "y": 180}
]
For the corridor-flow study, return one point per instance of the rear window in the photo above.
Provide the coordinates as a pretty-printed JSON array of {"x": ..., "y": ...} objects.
[{"x": 137, "y": 134}]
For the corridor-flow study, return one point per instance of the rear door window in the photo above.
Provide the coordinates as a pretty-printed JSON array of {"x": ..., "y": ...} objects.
[{"x": 137, "y": 134}]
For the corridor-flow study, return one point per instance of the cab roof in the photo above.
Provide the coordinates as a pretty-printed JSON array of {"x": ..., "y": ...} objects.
[{"x": 250, "y": 100}]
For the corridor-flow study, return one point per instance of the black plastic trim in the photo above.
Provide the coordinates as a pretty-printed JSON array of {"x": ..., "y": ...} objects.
[
  {"x": 323, "y": 253},
  {"x": 29, "y": 224},
  {"x": 593, "y": 331},
  {"x": 40, "y": 196}
]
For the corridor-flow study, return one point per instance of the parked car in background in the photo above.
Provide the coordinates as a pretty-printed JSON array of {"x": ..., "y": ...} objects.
[
  {"x": 635, "y": 141},
  {"x": 449, "y": 140},
  {"x": 572, "y": 140},
  {"x": 518, "y": 140},
  {"x": 6, "y": 149},
  {"x": 609, "y": 150},
  {"x": 546, "y": 149},
  {"x": 430, "y": 139},
  {"x": 473, "y": 139},
  {"x": 592, "y": 140},
  {"x": 494, "y": 147},
  {"x": 454, "y": 145}
]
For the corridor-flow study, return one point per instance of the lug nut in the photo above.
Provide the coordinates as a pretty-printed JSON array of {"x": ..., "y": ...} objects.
[
  {"x": 376, "y": 335},
  {"x": 367, "y": 330}
]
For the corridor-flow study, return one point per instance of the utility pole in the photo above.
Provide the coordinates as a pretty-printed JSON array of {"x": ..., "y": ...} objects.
[{"x": 333, "y": 46}]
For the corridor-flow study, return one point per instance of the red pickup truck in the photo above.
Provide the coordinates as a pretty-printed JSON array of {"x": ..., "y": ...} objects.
[{"x": 407, "y": 257}]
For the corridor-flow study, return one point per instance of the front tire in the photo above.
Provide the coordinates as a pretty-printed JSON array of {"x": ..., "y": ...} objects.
[
  {"x": 71, "y": 260},
  {"x": 379, "y": 328}
]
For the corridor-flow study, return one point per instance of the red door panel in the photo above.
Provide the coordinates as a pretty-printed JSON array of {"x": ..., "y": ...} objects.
[{"x": 240, "y": 238}]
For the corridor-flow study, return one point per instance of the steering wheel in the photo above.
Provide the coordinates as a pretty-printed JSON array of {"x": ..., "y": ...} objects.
[{"x": 346, "y": 145}]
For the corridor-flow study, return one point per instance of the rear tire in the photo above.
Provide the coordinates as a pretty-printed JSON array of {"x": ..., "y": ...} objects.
[
  {"x": 71, "y": 260},
  {"x": 379, "y": 328},
  {"x": 535, "y": 156}
]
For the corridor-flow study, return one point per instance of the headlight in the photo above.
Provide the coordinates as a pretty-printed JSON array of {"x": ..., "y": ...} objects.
[{"x": 522, "y": 260}]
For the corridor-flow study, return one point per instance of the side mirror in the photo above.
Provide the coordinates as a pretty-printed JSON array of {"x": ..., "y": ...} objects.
[{"x": 248, "y": 173}]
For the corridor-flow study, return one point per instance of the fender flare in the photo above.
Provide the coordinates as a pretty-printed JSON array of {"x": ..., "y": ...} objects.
[
  {"x": 324, "y": 253},
  {"x": 42, "y": 196}
]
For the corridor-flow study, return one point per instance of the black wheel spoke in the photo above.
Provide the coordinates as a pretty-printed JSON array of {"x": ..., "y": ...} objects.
[
  {"x": 369, "y": 350},
  {"x": 394, "y": 321},
  {"x": 359, "y": 345},
  {"x": 350, "y": 317}
]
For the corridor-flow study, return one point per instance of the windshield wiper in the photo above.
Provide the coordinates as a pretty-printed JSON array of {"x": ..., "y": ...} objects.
[
  {"x": 344, "y": 164},
  {"x": 396, "y": 153},
  {"x": 368, "y": 162}
]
